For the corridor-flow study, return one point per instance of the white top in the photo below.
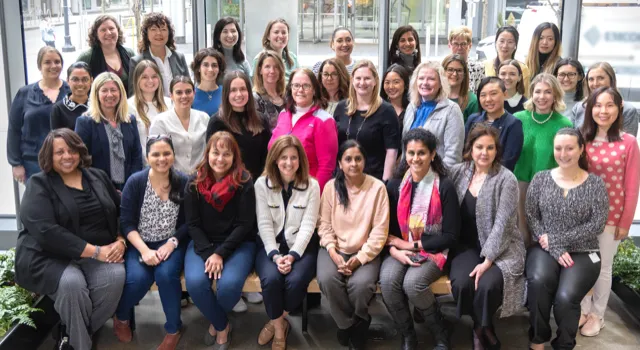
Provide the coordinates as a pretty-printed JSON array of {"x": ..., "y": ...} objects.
[
  {"x": 188, "y": 144},
  {"x": 165, "y": 69},
  {"x": 299, "y": 113},
  {"x": 152, "y": 112},
  {"x": 514, "y": 100}
]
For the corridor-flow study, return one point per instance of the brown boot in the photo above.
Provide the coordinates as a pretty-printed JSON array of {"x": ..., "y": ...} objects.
[
  {"x": 122, "y": 330},
  {"x": 266, "y": 334},
  {"x": 281, "y": 343},
  {"x": 170, "y": 341}
]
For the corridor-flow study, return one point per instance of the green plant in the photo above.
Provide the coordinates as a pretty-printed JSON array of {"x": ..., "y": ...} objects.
[
  {"x": 15, "y": 307},
  {"x": 626, "y": 264},
  {"x": 7, "y": 267}
]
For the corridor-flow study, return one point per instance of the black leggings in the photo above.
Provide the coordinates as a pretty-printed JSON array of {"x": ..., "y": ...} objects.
[{"x": 550, "y": 284}]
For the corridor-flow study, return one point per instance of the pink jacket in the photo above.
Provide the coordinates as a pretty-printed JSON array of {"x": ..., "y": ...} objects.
[{"x": 318, "y": 134}]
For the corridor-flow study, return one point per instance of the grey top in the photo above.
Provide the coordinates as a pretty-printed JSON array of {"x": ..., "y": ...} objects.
[
  {"x": 116, "y": 152},
  {"x": 572, "y": 223},
  {"x": 569, "y": 101},
  {"x": 496, "y": 218},
  {"x": 629, "y": 115},
  {"x": 232, "y": 65},
  {"x": 157, "y": 217}
]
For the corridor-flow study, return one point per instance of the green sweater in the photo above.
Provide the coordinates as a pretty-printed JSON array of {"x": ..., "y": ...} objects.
[
  {"x": 537, "y": 148},
  {"x": 472, "y": 106}
]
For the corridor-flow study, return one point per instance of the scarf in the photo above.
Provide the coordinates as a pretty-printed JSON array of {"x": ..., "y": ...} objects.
[
  {"x": 218, "y": 194},
  {"x": 425, "y": 215},
  {"x": 423, "y": 112}
]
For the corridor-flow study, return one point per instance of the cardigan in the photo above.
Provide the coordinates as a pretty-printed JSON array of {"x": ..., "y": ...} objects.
[
  {"x": 511, "y": 136},
  {"x": 49, "y": 241},
  {"x": 177, "y": 62},
  {"x": 65, "y": 113},
  {"x": 498, "y": 233},
  {"x": 86, "y": 57},
  {"x": 133, "y": 198},
  {"x": 298, "y": 219},
  {"x": 630, "y": 116}
]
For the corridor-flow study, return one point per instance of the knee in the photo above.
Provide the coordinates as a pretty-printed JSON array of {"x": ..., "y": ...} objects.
[
  {"x": 414, "y": 289},
  {"x": 272, "y": 282},
  {"x": 296, "y": 284},
  {"x": 463, "y": 285},
  {"x": 486, "y": 286},
  {"x": 229, "y": 286},
  {"x": 361, "y": 288},
  {"x": 167, "y": 276},
  {"x": 196, "y": 281},
  {"x": 539, "y": 279},
  {"x": 566, "y": 298}
]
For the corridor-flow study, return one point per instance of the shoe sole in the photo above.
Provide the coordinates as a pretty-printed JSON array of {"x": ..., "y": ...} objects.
[{"x": 593, "y": 335}]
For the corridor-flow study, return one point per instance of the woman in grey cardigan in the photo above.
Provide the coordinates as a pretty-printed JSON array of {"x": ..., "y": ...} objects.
[{"x": 488, "y": 264}]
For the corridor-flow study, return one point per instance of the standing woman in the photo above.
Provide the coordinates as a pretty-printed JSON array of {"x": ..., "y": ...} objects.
[
  {"x": 460, "y": 44},
  {"x": 366, "y": 118},
  {"x": 341, "y": 43},
  {"x": 219, "y": 206},
  {"x": 238, "y": 116},
  {"x": 276, "y": 38},
  {"x": 431, "y": 109},
  {"x": 545, "y": 49},
  {"x": 511, "y": 73},
  {"x": 30, "y": 115},
  {"x": 353, "y": 228},
  {"x": 227, "y": 39},
  {"x": 425, "y": 222},
  {"x": 65, "y": 112},
  {"x": 395, "y": 89},
  {"x": 186, "y": 126},
  {"x": 335, "y": 79},
  {"x": 405, "y": 48},
  {"x": 207, "y": 66},
  {"x": 287, "y": 205},
  {"x": 269, "y": 86},
  {"x": 106, "y": 53},
  {"x": 109, "y": 131},
  {"x": 506, "y": 43},
  {"x": 490, "y": 249},
  {"x": 567, "y": 209},
  {"x": 458, "y": 77},
  {"x": 570, "y": 74},
  {"x": 608, "y": 145}
]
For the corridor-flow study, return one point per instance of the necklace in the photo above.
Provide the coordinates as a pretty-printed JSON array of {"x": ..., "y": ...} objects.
[
  {"x": 541, "y": 122},
  {"x": 348, "y": 133}
]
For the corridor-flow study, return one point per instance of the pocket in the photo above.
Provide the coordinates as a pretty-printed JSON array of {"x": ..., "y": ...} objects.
[
  {"x": 302, "y": 207},
  {"x": 273, "y": 206}
]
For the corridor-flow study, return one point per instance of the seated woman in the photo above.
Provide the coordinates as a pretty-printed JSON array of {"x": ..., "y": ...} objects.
[
  {"x": 219, "y": 206},
  {"x": 65, "y": 112},
  {"x": 70, "y": 249},
  {"x": 567, "y": 209},
  {"x": 353, "y": 228},
  {"x": 287, "y": 204},
  {"x": 490, "y": 249},
  {"x": 153, "y": 221},
  {"x": 425, "y": 223}
]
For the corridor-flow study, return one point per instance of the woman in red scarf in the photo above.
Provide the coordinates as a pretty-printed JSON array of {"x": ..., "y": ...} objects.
[{"x": 223, "y": 233}]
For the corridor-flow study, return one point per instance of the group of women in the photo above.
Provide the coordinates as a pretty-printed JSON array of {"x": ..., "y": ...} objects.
[{"x": 432, "y": 169}]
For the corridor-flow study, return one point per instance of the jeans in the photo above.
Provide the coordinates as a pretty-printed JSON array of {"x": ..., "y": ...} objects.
[
  {"x": 30, "y": 168},
  {"x": 140, "y": 277},
  {"x": 236, "y": 268}
]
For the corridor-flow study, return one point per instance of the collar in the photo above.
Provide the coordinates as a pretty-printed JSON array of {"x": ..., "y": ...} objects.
[
  {"x": 169, "y": 53},
  {"x": 70, "y": 104}
]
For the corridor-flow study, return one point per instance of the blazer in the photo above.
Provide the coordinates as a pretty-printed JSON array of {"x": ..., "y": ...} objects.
[
  {"x": 498, "y": 233},
  {"x": 48, "y": 242},
  {"x": 95, "y": 138},
  {"x": 133, "y": 197},
  {"x": 298, "y": 219},
  {"x": 177, "y": 62}
]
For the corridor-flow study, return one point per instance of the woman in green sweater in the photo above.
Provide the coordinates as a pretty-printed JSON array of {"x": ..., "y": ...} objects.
[
  {"x": 458, "y": 75},
  {"x": 541, "y": 119}
]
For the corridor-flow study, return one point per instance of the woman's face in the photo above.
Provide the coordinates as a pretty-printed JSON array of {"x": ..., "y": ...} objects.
[
  {"x": 302, "y": 90},
  {"x": 65, "y": 159},
  {"x": 566, "y": 151},
  {"x": 149, "y": 81},
  {"x": 364, "y": 83},
  {"x": 158, "y": 35},
  {"x": 605, "y": 111},
  {"x": 407, "y": 43},
  {"x": 51, "y": 65},
  {"x": 160, "y": 157},
  {"x": 238, "y": 94},
  {"x": 598, "y": 78},
  {"x": 543, "y": 97},
  {"x": 492, "y": 98},
  {"x": 288, "y": 164},
  {"x": 428, "y": 83},
  {"x": 279, "y": 36},
  {"x": 342, "y": 44},
  {"x": 108, "y": 33},
  {"x": 229, "y": 36},
  {"x": 506, "y": 44},
  {"x": 109, "y": 95},
  {"x": 547, "y": 41},
  {"x": 352, "y": 162},
  {"x": 483, "y": 151},
  {"x": 220, "y": 159},
  {"x": 568, "y": 77},
  {"x": 510, "y": 76},
  {"x": 80, "y": 83},
  {"x": 330, "y": 77},
  {"x": 393, "y": 85},
  {"x": 182, "y": 95},
  {"x": 270, "y": 71},
  {"x": 209, "y": 69},
  {"x": 418, "y": 158},
  {"x": 455, "y": 73},
  {"x": 460, "y": 46}
]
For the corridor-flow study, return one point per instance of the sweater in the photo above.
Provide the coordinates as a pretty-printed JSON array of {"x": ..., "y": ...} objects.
[
  {"x": 232, "y": 65},
  {"x": 537, "y": 147},
  {"x": 572, "y": 223},
  {"x": 630, "y": 116},
  {"x": 64, "y": 113},
  {"x": 569, "y": 101},
  {"x": 202, "y": 102},
  {"x": 511, "y": 135},
  {"x": 362, "y": 229}
]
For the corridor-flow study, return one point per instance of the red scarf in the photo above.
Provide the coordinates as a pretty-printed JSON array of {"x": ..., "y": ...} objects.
[{"x": 218, "y": 194}]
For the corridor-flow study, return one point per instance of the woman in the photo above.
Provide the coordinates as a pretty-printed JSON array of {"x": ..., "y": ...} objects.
[
  {"x": 492, "y": 96},
  {"x": 335, "y": 79},
  {"x": 29, "y": 117},
  {"x": 219, "y": 206},
  {"x": 238, "y": 116},
  {"x": 512, "y": 75},
  {"x": 341, "y": 43},
  {"x": 157, "y": 44},
  {"x": 425, "y": 223},
  {"x": 153, "y": 222},
  {"x": 566, "y": 209},
  {"x": 227, "y": 39},
  {"x": 148, "y": 98},
  {"x": 458, "y": 77},
  {"x": 276, "y": 38},
  {"x": 208, "y": 66},
  {"x": 431, "y": 109},
  {"x": 506, "y": 43},
  {"x": 545, "y": 49},
  {"x": 287, "y": 204},
  {"x": 395, "y": 89},
  {"x": 305, "y": 118},
  {"x": 110, "y": 132},
  {"x": 460, "y": 42},
  {"x": 65, "y": 112},
  {"x": 570, "y": 74},
  {"x": 608, "y": 145},
  {"x": 490, "y": 248},
  {"x": 70, "y": 249},
  {"x": 186, "y": 126},
  {"x": 366, "y": 118},
  {"x": 106, "y": 52},
  {"x": 405, "y": 48},
  {"x": 541, "y": 119},
  {"x": 269, "y": 86},
  {"x": 601, "y": 74},
  {"x": 353, "y": 225}
]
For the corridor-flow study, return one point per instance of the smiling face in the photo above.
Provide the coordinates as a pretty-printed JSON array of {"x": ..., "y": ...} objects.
[
  {"x": 510, "y": 76},
  {"x": 270, "y": 71},
  {"x": 209, "y": 69},
  {"x": 302, "y": 90},
  {"x": 428, "y": 82},
  {"x": 330, "y": 77},
  {"x": 109, "y": 95},
  {"x": 542, "y": 97},
  {"x": 342, "y": 44},
  {"x": 51, "y": 65},
  {"x": 483, "y": 151},
  {"x": 158, "y": 35},
  {"x": 605, "y": 111},
  {"x": 108, "y": 33},
  {"x": 393, "y": 85},
  {"x": 492, "y": 99},
  {"x": 598, "y": 78},
  {"x": 238, "y": 94},
  {"x": 279, "y": 36},
  {"x": 352, "y": 163},
  {"x": 455, "y": 73},
  {"x": 288, "y": 164},
  {"x": 407, "y": 43},
  {"x": 149, "y": 81},
  {"x": 418, "y": 158},
  {"x": 506, "y": 44},
  {"x": 229, "y": 36},
  {"x": 160, "y": 157},
  {"x": 182, "y": 95},
  {"x": 547, "y": 41},
  {"x": 220, "y": 159},
  {"x": 566, "y": 151},
  {"x": 80, "y": 83},
  {"x": 65, "y": 159},
  {"x": 364, "y": 83},
  {"x": 568, "y": 77}
]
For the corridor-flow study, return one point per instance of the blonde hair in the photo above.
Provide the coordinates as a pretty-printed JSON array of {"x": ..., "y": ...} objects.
[
  {"x": 558, "y": 94},
  {"x": 463, "y": 32},
  {"x": 138, "y": 97},
  {"x": 414, "y": 95},
  {"x": 375, "y": 101},
  {"x": 95, "y": 112},
  {"x": 258, "y": 83}
]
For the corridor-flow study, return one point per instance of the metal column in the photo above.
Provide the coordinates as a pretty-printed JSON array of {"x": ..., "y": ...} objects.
[
  {"x": 383, "y": 37},
  {"x": 570, "y": 28}
]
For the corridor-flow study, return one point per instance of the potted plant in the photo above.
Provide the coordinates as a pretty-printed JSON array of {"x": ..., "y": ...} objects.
[{"x": 626, "y": 275}]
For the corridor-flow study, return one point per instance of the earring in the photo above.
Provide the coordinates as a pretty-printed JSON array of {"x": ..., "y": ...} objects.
[{"x": 397, "y": 52}]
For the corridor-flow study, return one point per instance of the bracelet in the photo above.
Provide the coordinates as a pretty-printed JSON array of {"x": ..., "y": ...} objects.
[
  {"x": 174, "y": 241},
  {"x": 96, "y": 253},
  {"x": 124, "y": 242}
]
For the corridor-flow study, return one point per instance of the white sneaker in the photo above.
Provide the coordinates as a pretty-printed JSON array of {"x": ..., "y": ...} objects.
[
  {"x": 240, "y": 306},
  {"x": 593, "y": 326},
  {"x": 253, "y": 298}
]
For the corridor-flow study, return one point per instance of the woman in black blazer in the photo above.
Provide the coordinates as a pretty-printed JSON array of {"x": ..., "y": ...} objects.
[{"x": 70, "y": 248}]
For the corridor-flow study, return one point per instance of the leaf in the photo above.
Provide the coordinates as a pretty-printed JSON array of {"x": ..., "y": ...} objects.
[{"x": 626, "y": 264}]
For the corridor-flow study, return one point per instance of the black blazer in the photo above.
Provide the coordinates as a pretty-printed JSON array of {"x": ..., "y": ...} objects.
[
  {"x": 177, "y": 62},
  {"x": 50, "y": 217}
]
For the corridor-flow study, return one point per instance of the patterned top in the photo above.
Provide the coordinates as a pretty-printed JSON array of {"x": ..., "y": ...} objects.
[
  {"x": 268, "y": 109},
  {"x": 116, "y": 152},
  {"x": 157, "y": 217},
  {"x": 476, "y": 74}
]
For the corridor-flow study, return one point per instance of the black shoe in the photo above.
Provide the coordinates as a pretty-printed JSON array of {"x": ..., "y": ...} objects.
[
  {"x": 409, "y": 341},
  {"x": 343, "y": 336},
  {"x": 62, "y": 339},
  {"x": 358, "y": 334},
  {"x": 438, "y": 326},
  {"x": 487, "y": 341}
]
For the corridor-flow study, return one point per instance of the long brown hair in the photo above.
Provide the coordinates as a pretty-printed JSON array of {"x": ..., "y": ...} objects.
[
  {"x": 138, "y": 98},
  {"x": 343, "y": 78},
  {"x": 271, "y": 170},
  {"x": 375, "y": 100},
  {"x": 478, "y": 130},
  {"x": 589, "y": 127},
  {"x": 533, "y": 57},
  {"x": 253, "y": 122},
  {"x": 266, "y": 44},
  {"x": 258, "y": 82},
  {"x": 463, "y": 95},
  {"x": 239, "y": 173}
]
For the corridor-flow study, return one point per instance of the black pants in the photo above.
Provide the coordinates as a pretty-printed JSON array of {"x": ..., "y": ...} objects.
[
  {"x": 480, "y": 304},
  {"x": 549, "y": 284}
]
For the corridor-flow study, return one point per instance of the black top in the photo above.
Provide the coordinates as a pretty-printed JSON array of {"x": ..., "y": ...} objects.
[
  {"x": 518, "y": 108},
  {"x": 469, "y": 231},
  {"x": 93, "y": 223},
  {"x": 65, "y": 113},
  {"x": 377, "y": 133},
  {"x": 283, "y": 247}
]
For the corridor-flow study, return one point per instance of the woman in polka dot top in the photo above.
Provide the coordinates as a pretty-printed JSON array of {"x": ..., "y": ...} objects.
[{"x": 614, "y": 156}]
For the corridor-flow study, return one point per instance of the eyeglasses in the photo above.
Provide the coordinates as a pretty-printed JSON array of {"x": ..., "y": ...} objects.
[
  {"x": 330, "y": 75},
  {"x": 459, "y": 71},
  {"x": 570, "y": 75},
  {"x": 463, "y": 44},
  {"x": 305, "y": 87},
  {"x": 83, "y": 80}
]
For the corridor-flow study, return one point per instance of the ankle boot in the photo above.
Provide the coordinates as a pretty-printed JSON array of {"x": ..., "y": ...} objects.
[
  {"x": 409, "y": 340},
  {"x": 358, "y": 334},
  {"x": 438, "y": 327}
]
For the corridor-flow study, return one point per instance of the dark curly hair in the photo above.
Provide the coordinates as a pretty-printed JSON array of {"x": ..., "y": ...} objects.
[
  {"x": 155, "y": 19},
  {"x": 73, "y": 140},
  {"x": 92, "y": 39}
]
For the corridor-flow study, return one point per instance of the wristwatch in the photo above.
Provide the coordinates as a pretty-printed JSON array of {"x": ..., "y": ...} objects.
[
  {"x": 174, "y": 241},
  {"x": 96, "y": 253},
  {"x": 276, "y": 257}
]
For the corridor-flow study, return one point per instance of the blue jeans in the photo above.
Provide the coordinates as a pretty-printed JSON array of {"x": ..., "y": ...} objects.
[
  {"x": 236, "y": 268},
  {"x": 140, "y": 277},
  {"x": 30, "y": 168}
]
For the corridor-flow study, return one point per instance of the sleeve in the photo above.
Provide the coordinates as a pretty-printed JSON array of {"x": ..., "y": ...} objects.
[
  {"x": 498, "y": 242},
  {"x": 379, "y": 228},
  {"x": 266, "y": 137},
  {"x": 450, "y": 221},
  {"x": 244, "y": 222},
  {"x": 136, "y": 156},
  {"x": 86, "y": 58},
  {"x": 213, "y": 126},
  {"x": 513, "y": 145},
  {"x": 14, "y": 134},
  {"x": 631, "y": 184},
  {"x": 265, "y": 222},
  {"x": 133, "y": 62},
  {"x": 56, "y": 120},
  {"x": 328, "y": 237},
  {"x": 472, "y": 106},
  {"x": 309, "y": 220},
  {"x": 157, "y": 127},
  {"x": 630, "y": 120},
  {"x": 83, "y": 129},
  {"x": 194, "y": 222},
  {"x": 113, "y": 192},
  {"x": 409, "y": 116},
  {"x": 278, "y": 130},
  {"x": 182, "y": 229},
  {"x": 453, "y": 137},
  {"x": 391, "y": 129},
  {"x": 326, "y": 144},
  {"x": 247, "y": 68},
  {"x": 532, "y": 207},
  {"x": 130, "y": 206}
]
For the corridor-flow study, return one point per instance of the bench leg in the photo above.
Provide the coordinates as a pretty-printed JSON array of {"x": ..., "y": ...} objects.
[{"x": 305, "y": 315}]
